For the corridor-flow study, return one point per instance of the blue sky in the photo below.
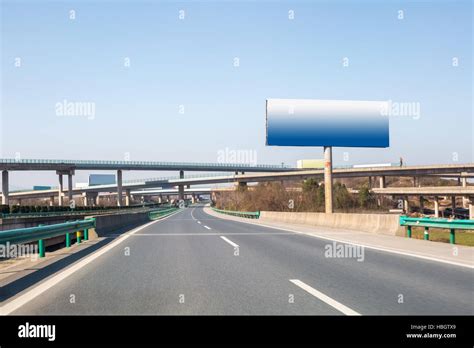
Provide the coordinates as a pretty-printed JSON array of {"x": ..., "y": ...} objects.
[{"x": 190, "y": 62}]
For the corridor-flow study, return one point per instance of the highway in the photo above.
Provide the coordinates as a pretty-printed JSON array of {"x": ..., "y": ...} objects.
[{"x": 187, "y": 264}]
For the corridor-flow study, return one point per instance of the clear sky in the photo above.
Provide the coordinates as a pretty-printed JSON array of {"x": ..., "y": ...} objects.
[{"x": 183, "y": 99}]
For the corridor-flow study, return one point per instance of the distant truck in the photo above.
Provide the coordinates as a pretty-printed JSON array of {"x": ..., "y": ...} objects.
[
  {"x": 39, "y": 188},
  {"x": 310, "y": 164},
  {"x": 101, "y": 179}
]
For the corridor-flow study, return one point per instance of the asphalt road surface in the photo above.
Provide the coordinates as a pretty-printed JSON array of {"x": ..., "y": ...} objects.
[{"x": 194, "y": 263}]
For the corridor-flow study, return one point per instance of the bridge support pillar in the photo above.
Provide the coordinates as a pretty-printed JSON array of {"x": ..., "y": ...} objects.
[
  {"x": 69, "y": 187},
  {"x": 97, "y": 200},
  {"x": 422, "y": 204},
  {"x": 5, "y": 198},
  {"x": 51, "y": 201},
  {"x": 160, "y": 199},
  {"x": 406, "y": 205},
  {"x": 328, "y": 179},
  {"x": 193, "y": 198},
  {"x": 85, "y": 201},
  {"x": 436, "y": 206},
  {"x": 119, "y": 188},
  {"x": 60, "y": 190},
  {"x": 453, "y": 203},
  {"x": 414, "y": 181},
  {"x": 128, "y": 198},
  {"x": 181, "y": 187},
  {"x": 382, "y": 182},
  {"x": 471, "y": 209},
  {"x": 465, "y": 199}
]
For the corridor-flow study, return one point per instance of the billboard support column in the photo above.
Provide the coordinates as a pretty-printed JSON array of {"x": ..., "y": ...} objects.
[{"x": 328, "y": 179}]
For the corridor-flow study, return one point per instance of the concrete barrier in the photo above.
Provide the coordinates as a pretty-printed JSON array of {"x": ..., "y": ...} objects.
[
  {"x": 116, "y": 223},
  {"x": 373, "y": 223}
]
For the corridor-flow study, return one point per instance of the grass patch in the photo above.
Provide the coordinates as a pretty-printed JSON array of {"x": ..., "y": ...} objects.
[{"x": 463, "y": 237}]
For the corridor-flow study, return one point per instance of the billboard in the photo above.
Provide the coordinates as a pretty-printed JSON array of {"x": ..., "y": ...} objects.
[
  {"x": 41, "y": 188},
  {"x": 312, "y": 122},
  {"x": 101, "y": 179}
]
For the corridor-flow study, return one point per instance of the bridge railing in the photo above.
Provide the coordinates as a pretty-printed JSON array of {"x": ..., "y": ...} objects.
[
  {"x": 428, "y": 223},
  {"x": 245, "y": 214},
  {"x": 139, "y": 163},
  {"x": 40, "y": 233}
]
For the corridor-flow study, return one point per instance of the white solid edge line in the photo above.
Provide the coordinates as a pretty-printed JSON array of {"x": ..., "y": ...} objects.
[
  {"x": 328, "y": 300},
  {"x": 393, "y": 251},
  {"x": 207, "y": 227},
  {"x": 38, "y": 290},
  {"x": 230, "y": 242}
]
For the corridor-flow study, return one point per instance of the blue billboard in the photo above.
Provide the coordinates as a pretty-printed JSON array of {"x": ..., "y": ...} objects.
[
  {"x": 101, "y": 179},
  {"x": 311, "y": 122}
]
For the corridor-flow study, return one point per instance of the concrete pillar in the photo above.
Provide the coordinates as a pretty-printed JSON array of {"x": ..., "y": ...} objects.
[
  {"x": 97, "y": 200},
  {"x": 370, "y": 182},
  {"x": 119, "y": 188},
  {"x": 406, "y": 205},
  {"x": 60, "y": 190},
  {"x": 85, "y": 201},
  {"x": 465, "y": 199},
  {"x": 5, "y": 198},
  {"x": 19, "y": 201},
  {"x": 181, "y": 187},
  {"x": 453, "y": 203},
  {"x": 414, "y": 181},
  {"x": 328, "y": 179},
  {"x": 436, "y": 206},
  {"x": 69, "y": 187},
  {"x": 422, "y": 204},
  {"x": 471, "y": 209},
  {"x": 51, "y": 201},
  {"x": 128, "y": 198},
  {"x": 160, "y": 199},
  {"x": 193, "y": 198},
  {"x": 382, "y": 182}
]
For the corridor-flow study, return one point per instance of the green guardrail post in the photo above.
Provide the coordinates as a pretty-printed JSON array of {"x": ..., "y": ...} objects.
[
  {"x": 452, "y": 237},
  {"x": 409, "y": 231},
  {"x": 68, "y": 240},
  {"x": 86, "y": 234},
  {"x": 41, "y": 248},
  {"x": 426, "y": 234},
  {"x": 78, "y": 237}
]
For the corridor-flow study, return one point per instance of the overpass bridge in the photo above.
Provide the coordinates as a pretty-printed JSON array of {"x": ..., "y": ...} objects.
[
  {"x": 69, "y": 167},
  {"x": 462, "y": 171}
]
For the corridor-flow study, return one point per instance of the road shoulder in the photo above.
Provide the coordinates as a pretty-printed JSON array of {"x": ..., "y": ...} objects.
[{"x": 458, "y": 255}]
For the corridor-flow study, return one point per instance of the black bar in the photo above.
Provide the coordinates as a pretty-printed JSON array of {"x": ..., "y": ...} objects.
[{"x": 225, "y": 330}]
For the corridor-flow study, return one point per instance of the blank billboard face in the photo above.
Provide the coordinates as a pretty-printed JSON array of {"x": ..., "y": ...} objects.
[{"x": 310, "y": 122}]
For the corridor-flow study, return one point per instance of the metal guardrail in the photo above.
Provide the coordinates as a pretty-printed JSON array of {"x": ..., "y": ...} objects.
[
  {"x": 40, "y": 233},
  {"x": 156, "y": 214},
  {"x": 245, "y": 214},
  {"x": 74, "y": 212},
  {"x": 428, "y": 223}
]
